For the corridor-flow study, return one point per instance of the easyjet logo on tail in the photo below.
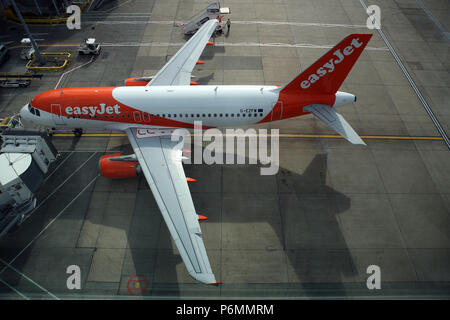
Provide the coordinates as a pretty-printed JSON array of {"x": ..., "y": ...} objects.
[{"x": 330, "y": 65}]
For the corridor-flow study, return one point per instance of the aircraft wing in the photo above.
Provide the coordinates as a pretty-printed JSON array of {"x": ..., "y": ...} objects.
[
  {"x": 177, "y": 72},
  {"x": 160, "y": 159}
]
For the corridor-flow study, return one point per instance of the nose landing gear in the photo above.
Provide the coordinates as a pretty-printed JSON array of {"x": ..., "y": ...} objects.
[{"x": 77, "y": 132}]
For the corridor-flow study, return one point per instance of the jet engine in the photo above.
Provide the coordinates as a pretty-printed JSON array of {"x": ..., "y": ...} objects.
[
  {"x": 143, "y": 81},
  {"x": 119, "y": 166},
  {"x": 137, "y": 82}
]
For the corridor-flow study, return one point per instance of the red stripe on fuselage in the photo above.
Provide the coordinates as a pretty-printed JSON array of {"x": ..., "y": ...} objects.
[{"x": 97, "y": 103}]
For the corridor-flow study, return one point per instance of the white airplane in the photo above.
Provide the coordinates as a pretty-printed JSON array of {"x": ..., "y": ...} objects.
[{"x": 169, "y": 100}]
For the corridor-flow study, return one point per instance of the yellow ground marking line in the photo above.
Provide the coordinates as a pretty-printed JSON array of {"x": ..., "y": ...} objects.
[
  {"x": 283, "y": 135},
  {"x": 49, "y": 45},
  {"x": 91, "y": 135}
]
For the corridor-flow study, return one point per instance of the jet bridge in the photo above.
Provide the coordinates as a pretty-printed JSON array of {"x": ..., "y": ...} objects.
[{"x": 25, "y": 157}]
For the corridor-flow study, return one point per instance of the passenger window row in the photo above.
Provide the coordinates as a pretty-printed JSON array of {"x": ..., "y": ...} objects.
[
  {"x": 88, "y": 116},
  {"x": 207, "y": 115},
  {"x": 147, "y": 116}
]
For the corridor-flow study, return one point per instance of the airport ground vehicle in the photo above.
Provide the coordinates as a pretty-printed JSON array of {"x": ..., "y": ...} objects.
[
  {"x": 25, "y": 156},
  {"x": 27, "y": 49},
  {"x": 90, "y": 46}
]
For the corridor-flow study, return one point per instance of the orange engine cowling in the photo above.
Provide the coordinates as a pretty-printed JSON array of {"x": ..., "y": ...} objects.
[
  {"x": 118, "y": 169},
  {"x": 137, "y": 82}
]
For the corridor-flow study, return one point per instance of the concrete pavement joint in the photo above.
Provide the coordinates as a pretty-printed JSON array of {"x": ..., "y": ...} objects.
[
  {"x": 51, "y": 222},
  {"x": 413, "y": 85}
]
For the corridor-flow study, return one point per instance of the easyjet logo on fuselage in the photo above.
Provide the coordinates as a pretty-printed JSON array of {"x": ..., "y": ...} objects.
[
  {"x": 94, "y": 110},
  {"x": 329, "y": 66}
]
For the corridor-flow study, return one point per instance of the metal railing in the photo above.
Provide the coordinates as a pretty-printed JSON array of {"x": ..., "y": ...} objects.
[{"x": 31, "y": 65}]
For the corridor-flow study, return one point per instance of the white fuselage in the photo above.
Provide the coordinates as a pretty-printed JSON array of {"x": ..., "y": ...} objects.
[
  {"x": 215, "y": 106},
  {"x": 169, "y": 106}
]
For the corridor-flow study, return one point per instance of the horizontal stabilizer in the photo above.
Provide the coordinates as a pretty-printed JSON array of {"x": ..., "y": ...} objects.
[{"x": 335, "y": 120}]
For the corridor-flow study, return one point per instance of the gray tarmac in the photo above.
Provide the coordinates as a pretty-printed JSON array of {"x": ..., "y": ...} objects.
[{"x": 311, "y": 230}]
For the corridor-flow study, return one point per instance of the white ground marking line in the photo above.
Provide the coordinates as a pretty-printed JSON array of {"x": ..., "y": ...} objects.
[
  {"x": 302, "y": 24},
  {"x": 86, "y": 151},
  {"x": 286, "y": 45},
  {"x": 105, "y": 19},
  {"x": 412, "y": 84},
  {"x": 276, "y": 23},
  {"x": 236, "y": 44},
  {"x": 103, "y": 13},
  {"x": 73, "y": 69},
  {"x": 110, "y": 17},
  {"x": 117, "y": 22},
  {"x": 50, "y": 223},
  {"x": 116, "y": 14},
  {"x": 273, "y": 23},
  {"x": 29, "y": 279},
  {"x": 60, "y": 186},
  {"x": 118, "y": 6},
  {"x": 62, "y": 162},
  {"x": 90, "y": 5},
  {"x": 14, "y": 289}
]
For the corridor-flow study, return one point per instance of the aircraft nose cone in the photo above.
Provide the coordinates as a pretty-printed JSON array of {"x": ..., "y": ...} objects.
[{"x": 24, "y": 112}]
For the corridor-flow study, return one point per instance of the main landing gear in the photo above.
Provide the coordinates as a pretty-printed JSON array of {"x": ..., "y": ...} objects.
[{"x": 77, "y": 132}]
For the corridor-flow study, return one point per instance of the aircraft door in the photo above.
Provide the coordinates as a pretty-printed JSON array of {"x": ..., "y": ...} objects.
[{"x": 57, "y": 114}]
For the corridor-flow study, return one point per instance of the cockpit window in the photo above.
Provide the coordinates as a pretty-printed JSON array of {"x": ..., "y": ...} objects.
[{"x": 34, "y": 110}]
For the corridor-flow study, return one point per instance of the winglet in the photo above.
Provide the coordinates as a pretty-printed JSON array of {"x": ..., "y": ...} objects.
[{"x": 215, "y": 284}]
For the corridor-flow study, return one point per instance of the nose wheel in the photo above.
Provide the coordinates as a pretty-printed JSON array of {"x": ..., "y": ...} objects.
[{"x": 78, "y": 132}]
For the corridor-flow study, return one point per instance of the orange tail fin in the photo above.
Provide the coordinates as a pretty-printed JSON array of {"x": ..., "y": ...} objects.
[{"x": 327, "y": 74}]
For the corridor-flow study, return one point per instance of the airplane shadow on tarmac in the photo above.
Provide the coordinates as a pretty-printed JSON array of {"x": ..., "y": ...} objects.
[
  {"x": 304, "y": 220},
  {"x": 303, "y": 224}
]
